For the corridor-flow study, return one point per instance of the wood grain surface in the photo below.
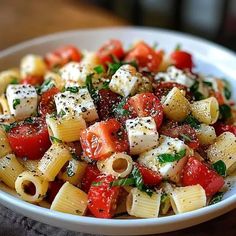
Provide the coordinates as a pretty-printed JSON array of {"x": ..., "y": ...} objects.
[{"x": 24, "y": 19}]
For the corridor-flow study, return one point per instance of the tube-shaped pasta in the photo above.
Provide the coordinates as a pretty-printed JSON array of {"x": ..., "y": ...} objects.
[
  {"x": 165, "y": 198},
  {"x": 31, "y": 180},
  {"x": 74, "y": 172},
  {"x": 66, "y": 128},
  {"x": 70, "y": 199},
  {"x": 206, "y": 134},
  {"x": 32, "y": 65},
  {"x": 119, "y": 165},
  {"x": 10, "y": 168},
  {"x": 90, "y": 58},
  {"x": 53, "y": 160},
  {"x": 189, "y": 198},
  {"x": 4, "y": 144},
  {"x": 206, "y": 110},
  {"x": 140, "y": 204},
  {"x": 4, "y": 105},
  {"x": 7, "y": 77},
  {"x": 56, "y": 79},
  {"x": 31, "y": 165},
  {"x": 224, "y": 149},
  {"x": 176, "y": 106}
]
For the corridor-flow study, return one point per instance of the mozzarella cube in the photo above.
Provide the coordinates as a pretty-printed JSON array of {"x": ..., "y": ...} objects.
[
  {"x": 125, "y": 80},
  {"x": 178, "y": 76},
  {"x": 168, "y": 170},
  {"x": 142, "y": 134},
  {"x": 75, "y": 73},
  {"x": 22, "y": 100},
  {"x": 76, "y": 103},
  {"x": 32, "y": 65}
]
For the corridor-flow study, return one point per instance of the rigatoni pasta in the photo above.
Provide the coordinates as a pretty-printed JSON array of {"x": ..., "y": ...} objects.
[
  {"x": 10, "y": 169},
  {"x": 4, "y": 144},
  {"x": 206, "y": 134},
  {"x": 70, "y": 199},
  {"x": 37, "y": 186}
]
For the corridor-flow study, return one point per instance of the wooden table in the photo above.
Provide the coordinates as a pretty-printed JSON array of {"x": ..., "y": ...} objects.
[{"x": 21, "y": 20}]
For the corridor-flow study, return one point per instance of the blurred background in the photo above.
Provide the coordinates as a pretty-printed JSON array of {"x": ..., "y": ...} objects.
[{"x": 24, "y": 19}]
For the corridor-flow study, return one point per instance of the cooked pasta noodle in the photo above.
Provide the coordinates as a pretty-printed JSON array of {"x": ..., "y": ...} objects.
[
  {"x": 206, "y": 134},
  {"x": 4, "y": 144}
]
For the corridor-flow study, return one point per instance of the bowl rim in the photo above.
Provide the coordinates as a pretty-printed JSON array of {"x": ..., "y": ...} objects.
[{"x": 44, "y": 212}]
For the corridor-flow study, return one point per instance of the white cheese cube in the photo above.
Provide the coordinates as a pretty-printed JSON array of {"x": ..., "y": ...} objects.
[
  {"x": 22, "y": 100},
  {"x": 125, "y": 80},
  {"x": 75, "y": 73},
  {"x": 76, "y": 103},
  {"x": 168, "y": 170},
  {"x": 142, "y": 134},
  {"x": 178, "y": 76},
  {"x": 32, "y": 65}
]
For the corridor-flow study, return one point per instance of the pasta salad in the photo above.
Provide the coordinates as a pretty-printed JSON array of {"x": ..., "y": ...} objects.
[{"x": 115, "y": 132}]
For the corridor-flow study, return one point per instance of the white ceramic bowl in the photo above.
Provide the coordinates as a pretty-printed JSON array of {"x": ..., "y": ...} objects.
[{"x": 209, "y": 59}]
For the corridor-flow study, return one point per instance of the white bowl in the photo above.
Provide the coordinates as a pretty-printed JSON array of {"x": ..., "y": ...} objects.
[{"x": 209, "y": 59}]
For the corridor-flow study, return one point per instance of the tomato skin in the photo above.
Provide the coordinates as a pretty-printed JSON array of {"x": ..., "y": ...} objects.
[
  {"x": 112, "y": 47},
  {"x": 102, "y": 199},
  {"x": 46, "y": 104},
  {"x": 197, "y": 172},
  {"x": 146, "y": 57},
  {"x": 173, "y": 130},
  {"x": 91, "y": 173},
  {"x": 220, "y": 128},
  {"x": 147, "y": 104},
  {"x": 32, "y": 80},
  {"x": 108, "y": 100},
  {"x": 181, "y": 60},
  {"x": 150, "y": 177},
  {"x": 103, "y": 138},
  {"x": 62, "y": 55},
  {"x": 29, "y": 140},
  {"x": 53, "y": 189}
]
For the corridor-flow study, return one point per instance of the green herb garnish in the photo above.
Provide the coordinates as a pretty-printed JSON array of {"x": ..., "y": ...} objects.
[
  {"x": 166, "y": 157},
  {"x": 123, "y": 182},
  {"x": 99, "y": 69},
  {"x": 55, "y": 140},
  {"x": 6, "y": 128},
  {"x": 29, "y": 120},
  {"x": 209, "y": 84},
  {"x": 69, "y": 170},
  {"x": 225, "y": 112},
  {"x": 73, "y": 89},
  {"x": 216, "y": 198},
  {"x": 93, "y": 92},
  {"x": 105, "y": 85},
  {"x": 97, "y": 183},
  {"x": 192, "y": 121},
  {"x": 14, "y": 80},
  {"x": 220, "y": 167},
  {"x": 16, "y": 102},
  {"x": 178, "y": 47},
  {"x": 194, "y": 89},
  {"x": 61, "y": 113},
  {"x": 119, "y": 110},
  {"x": 47, "y": 84},
  {"x": 186, "y": 137}
]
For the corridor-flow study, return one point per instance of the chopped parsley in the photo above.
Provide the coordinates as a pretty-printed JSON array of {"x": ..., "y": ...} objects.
[
  {"x": 123, "y": 182},
  {"x": 6, "y": 128},
  {"x": 61, "y": 113},
  {"x": 220, "y": 167},
  {"x": 69, "y": 170},
  {"x": 99, "y": 69},
  {"x": 55, "y": 140},
  {"x": 16, "y": 102},
  {"x": 225, "y": 112},
  {"x": 93, "y": 92},
  {"x": 216, "y": 198},
  {"x": 192, "y": 121},
  {"x": 167, "y": 157},
  {"x": 194, "y": 89},
  {"x": 47, "y": 84},
  {"x": 105, "y": 85},
  {"x": 119, "y": 110},
  {"x": 73, "y": 89}
]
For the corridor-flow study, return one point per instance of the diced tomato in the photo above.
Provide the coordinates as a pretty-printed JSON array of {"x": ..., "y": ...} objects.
[
  {"x": 107, "y": 102},
  {"x": 91, "y": 173},
  {"x": 102, "y": 199},
  {"x": 29, "y": 139},
  {"x": 197, "y": 172},
  {"x": 219, "y": 96},
  {"x": 183, "y": 132},
  {"x": 103, "y": 138},
  {"x": 145, "y": 56},
  {"x": 111, "y": 48},
  {"x": 32, "y": 80},
  {"x": 53, "y": 189},
  {"x": 150, "y": 177},
  {"x": 147, "y": 104},
  {"x": 46, "y": 104},
  {"x": 75, "y": 148},
  {"x": 163, "y": 88},
  {"x": 181, "y": 60},
  {"x": 220, "y": 128},
  {"x": 62, "y": 55}
]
